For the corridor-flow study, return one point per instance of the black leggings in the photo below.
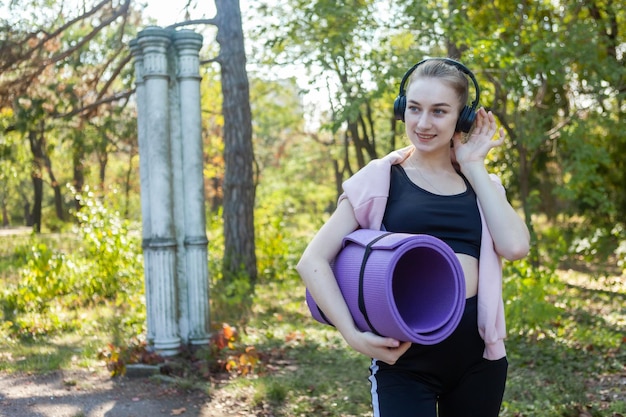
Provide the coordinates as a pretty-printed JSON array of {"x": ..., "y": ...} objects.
[{"x": 449, "y": 379}]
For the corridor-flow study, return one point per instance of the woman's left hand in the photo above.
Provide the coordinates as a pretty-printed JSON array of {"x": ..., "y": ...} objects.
[{"x": 480, "y": 142}]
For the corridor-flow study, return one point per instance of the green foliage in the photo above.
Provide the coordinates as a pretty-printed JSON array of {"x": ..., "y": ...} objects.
[
  {"x": 573, "y": 360},
  {"x": 106, "y": 269},
  {"x": 598, "y": 244},
  {"x": 277, "y": 247},
  {"x": 525, "y": 291},
  {"x": 229, "y": 298},
  {"x": 620, "y": 254},
  {"x": 32, "y": 305},
  {"x": 565, "y": 338},
  {"x": 288, "y": 208},
  {"x": 116, "y": 264}
]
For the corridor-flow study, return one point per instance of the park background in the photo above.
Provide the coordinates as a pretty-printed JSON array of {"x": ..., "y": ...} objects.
[{"x": 321, "y": 77}]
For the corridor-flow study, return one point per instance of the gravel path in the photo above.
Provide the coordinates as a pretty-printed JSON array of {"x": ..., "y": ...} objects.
[{"x": 84, "y": 394}]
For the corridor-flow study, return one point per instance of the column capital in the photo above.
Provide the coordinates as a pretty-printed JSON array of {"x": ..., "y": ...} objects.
[
  {"x": 188, "y": 44},
  {"x": 154, "y": 42},
  {"x": 187, "y": 39}
]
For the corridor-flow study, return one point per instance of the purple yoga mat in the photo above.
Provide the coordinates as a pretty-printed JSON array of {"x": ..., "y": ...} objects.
[{"x": 407, "y": 286}]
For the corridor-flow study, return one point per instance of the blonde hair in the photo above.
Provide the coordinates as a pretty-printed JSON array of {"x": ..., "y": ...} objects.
[{"x": 447, "y": 73}]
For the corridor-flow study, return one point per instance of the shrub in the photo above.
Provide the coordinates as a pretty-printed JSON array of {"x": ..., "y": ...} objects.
[{"x": 106, "y": 268}]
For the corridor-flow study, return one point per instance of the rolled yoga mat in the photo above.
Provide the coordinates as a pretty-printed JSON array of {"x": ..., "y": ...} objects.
[{"x": 407, "y": 286}]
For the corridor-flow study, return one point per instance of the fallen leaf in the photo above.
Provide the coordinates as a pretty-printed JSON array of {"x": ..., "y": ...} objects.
[{"x": 178, "y": 411}]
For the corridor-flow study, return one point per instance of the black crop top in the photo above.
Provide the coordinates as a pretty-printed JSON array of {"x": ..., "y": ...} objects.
[{"x": 455, "y": 219}]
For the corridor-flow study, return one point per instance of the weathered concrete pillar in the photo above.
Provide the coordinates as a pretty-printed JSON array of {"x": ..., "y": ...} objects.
[
  {"x": 144, "y": 168},
  {"x": 160, "y": 251},
  {"x": 187, "y": 44},
  {"x": 172, "y": 187},
  {"x": 178, "y": 195}
]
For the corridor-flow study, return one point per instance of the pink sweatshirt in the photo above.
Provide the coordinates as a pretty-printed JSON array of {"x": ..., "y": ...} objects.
[{"x": 368, "y": 189}]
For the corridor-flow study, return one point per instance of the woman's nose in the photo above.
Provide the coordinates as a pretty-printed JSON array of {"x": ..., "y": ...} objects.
[{"x": 424, "y": 120}]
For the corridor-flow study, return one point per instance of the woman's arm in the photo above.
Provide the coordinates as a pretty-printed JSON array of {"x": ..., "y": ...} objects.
[
  {"x": 510, "y": 234},
  {"x": 314, "y": 268}
]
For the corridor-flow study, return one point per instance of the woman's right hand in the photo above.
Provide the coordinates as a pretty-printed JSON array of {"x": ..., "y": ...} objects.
[{"x": 385, "y": 349}]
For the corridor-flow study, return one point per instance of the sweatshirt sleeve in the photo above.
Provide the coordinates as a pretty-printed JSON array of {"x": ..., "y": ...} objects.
[
  {"x": 491, "y": 323},
  {"x": 367, "y": 191}
]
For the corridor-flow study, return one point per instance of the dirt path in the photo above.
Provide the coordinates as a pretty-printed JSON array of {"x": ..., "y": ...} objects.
[
  {"x": 10, "y": 231},
  {"x": 84, "y": 394}
]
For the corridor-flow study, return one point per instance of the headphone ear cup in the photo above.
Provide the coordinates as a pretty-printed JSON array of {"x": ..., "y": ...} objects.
[
  {"x": 466, "y": 120},
  {"x": 399, "y": 106}
]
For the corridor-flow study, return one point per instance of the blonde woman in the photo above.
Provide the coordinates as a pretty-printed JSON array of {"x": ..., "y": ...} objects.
[{"x": 438, "y": 185}]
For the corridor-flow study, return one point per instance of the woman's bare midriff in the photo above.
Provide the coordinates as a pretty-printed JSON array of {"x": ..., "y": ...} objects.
[{"x": 470, "y": 270}]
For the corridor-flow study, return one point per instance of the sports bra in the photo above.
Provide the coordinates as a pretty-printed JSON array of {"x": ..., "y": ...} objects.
[{"x": 454, "y": 219}]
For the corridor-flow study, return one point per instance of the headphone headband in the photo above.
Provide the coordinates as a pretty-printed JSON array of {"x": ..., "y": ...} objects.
[{"x": 468, "y": 114}]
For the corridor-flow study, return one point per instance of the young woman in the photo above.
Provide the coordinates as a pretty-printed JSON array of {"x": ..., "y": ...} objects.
[{"x": 439, "y": 186}]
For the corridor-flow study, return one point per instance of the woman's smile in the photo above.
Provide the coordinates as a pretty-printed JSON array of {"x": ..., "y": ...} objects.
[{"x": 425, "y": 136}]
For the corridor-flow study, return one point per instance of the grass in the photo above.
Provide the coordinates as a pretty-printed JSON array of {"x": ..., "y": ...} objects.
[
  {"x": 572, "y": 365},
  {"x": 575, "y": 364},
  {"x": 309, "y": 368}
]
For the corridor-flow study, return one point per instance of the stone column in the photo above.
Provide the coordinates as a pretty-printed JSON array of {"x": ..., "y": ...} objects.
[
  {"x": 196, "y": 300},
  {"x": 144, "y": 168},
  {"x": 172, "y": 187},
  {"x": 160, "y": 251},
  {"x": 178, "y": 194}
]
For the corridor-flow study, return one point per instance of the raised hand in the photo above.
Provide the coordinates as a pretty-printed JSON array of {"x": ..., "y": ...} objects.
[{"x": 480, "y": 141}]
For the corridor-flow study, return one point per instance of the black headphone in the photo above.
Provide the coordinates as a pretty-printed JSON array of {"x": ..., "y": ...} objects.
[{"x": 468, "y": 114}]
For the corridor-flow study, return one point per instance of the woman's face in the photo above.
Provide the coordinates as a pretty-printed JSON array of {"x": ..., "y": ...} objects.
[{"x": 432, "y": 110}]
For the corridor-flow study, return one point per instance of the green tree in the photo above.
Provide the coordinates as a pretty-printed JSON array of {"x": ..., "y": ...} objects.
[
  {"x": 60, "y": 68},
  {"x": 347, "y": 45},
  {"x": 552, "y": 72},
  {"x": 277, "y": 120}
]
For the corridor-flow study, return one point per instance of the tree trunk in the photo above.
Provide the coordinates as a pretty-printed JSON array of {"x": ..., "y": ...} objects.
[
  {"x": 103, "y": 160},
  {"x": 5, "y": 214},
  {"x": 239, "y": 191},
  {"x": 36, "y": 149},
  {"x": 79, "y": 169},
  {"x": 28, "y": 214},
  {"x": 56, "y": 187}
]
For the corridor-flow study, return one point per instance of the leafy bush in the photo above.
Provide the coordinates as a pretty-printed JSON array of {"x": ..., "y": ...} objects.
[
  {"x": 277, "y": 248},
  {"x": 106, "y": 268},
  {"x": 113, "y": 254},
  {"x": 525, "y": 291}
]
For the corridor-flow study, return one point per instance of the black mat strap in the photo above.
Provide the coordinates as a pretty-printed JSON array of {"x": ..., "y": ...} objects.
[{"x": 366, "y": 255}]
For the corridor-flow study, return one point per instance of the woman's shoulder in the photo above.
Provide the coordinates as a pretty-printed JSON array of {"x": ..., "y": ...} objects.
[
  {"x": 368, "y": 188},
  {"x": 377, "y": 170},
  {"x": 393, "y": 158}
]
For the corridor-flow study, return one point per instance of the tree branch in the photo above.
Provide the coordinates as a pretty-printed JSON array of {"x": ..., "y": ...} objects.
[
  {"x": 110, "y": 99},
  {"x": 105, "y": 23},
  {"x": 212, "y": 21}
]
